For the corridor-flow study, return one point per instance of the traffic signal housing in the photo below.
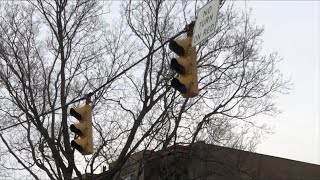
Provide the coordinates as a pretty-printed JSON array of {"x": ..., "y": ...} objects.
[
  {"x": 84, "y": 144},
  {"x": 186, "y": 66}
]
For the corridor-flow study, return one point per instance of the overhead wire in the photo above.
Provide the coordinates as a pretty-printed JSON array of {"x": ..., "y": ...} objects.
[
  {"x": 99, "y": 88},
  {"x": 108, "y": 81}
]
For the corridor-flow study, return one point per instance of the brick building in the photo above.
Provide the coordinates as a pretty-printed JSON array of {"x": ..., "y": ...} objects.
[{"x": 209, "y": 162}]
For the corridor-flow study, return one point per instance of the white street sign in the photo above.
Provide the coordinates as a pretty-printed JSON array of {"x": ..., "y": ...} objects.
[{"x": 205, "y": 22}]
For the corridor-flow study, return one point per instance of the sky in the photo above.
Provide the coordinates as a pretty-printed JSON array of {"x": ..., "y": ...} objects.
[{"x": 292, "y": 29}]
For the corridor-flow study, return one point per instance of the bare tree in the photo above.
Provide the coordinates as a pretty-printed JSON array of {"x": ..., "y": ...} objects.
[{"x": 54, "y": 52}]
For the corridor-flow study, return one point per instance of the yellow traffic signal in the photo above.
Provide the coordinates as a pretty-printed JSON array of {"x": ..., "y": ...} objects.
[
  {"x": 186, "y": 66},
  {"x": 84, "y": 143}
]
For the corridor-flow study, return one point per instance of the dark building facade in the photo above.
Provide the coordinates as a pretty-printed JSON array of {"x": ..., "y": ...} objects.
[{"x": 202, "y": 161}]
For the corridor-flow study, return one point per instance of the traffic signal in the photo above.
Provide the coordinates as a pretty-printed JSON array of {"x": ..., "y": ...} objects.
[
  {"x": 186, "y": 66},
  {"x": 84, "y": 144}
]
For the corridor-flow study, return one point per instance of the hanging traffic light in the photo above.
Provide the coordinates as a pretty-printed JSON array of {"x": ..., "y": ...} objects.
[
  {"x": 84, "y": 144},
  {"x": 186, "y": 66}
]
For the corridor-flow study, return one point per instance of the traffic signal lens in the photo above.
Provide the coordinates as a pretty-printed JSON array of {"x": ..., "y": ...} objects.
[
  {"x": 74, "y": 129},
  {"x": 176, "y": 48},
  {"x": 75, "y": 114},
  {"x": 76, "y": 146},
  {"x": 175, "y": 83},
  {"x": 176, "y": 66}
]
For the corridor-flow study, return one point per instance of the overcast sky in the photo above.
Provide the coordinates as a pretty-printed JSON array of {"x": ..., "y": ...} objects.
[{"x": 292, "y": 29}]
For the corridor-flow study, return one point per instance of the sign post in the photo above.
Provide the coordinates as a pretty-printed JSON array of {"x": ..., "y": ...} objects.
[{"x": 205, "y": 22}]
